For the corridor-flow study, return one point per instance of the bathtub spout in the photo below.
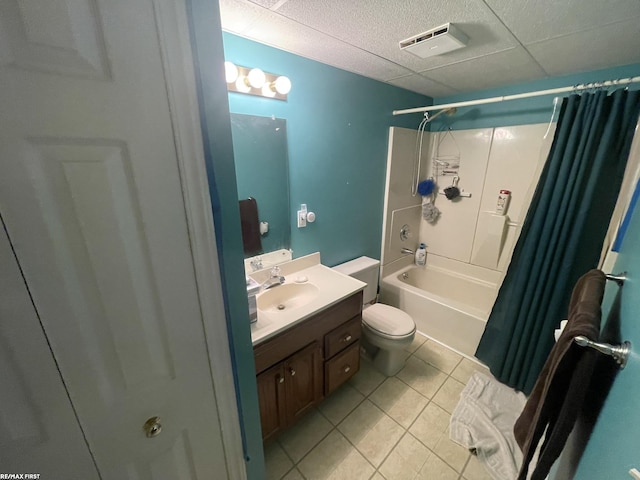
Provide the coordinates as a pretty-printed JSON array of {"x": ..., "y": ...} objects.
[{"x": 408, "y": 251}]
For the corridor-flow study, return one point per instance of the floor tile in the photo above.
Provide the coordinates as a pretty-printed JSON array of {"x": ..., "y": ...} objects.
[
  {"x": 399, "y": 400},
  {"x": 439, "y": 356},
  {"x": 418, "y": 340},
  {"x": 361, "y": 420},
  {"x": 466, "y": 368},
  {"x": 475, "y": 470},
  {"x": 430, "y": 425},
  {"x": 377, "y": 476},
  {"x": 367, "y": 379},
  {"x": 293, "y": 475},
  {"x": 372, "y": 432},
  {"x": 435, "y": 469},
  {"x": 305, "y": 435},
  {"x": 353, "y": 467},
  {"x": 277, "y": 463},
  {"x": 453, "y": 454},
  {"x": 449, "y": 394},
  {"x": 406, "y": 459},
  {"x": 332, "y": 456},
  {"x": 422, "y": 377},
  {"x": 340, "y": 403}
]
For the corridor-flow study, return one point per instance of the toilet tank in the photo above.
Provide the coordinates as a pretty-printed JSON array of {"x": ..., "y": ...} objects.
[{"x": 366, "y": 270}]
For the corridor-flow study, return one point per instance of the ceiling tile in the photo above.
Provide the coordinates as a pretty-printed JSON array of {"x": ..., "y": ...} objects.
[
  {"x": 378, "y": 26},
  {"x": 278, "y": 31},
  {"x": 508, "y": 67},
  {"x": 418, "y": 83},
  {"x": 266, "y": 3},
  {"x": 616, "y": 44},
  {"x": 535, "y": 20},
  {"x": 237, "y": 15}
]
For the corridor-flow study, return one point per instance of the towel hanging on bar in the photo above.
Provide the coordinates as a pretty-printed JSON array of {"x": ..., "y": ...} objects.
[{"x": 561, "y": 387}]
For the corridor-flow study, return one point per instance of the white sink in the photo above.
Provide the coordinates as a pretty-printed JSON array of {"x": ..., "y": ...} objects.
[{"x": 287, "y": 297}]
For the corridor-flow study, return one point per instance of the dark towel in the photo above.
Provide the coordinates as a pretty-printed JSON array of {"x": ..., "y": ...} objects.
[
  {"x": 560, "y": 389},
  {"x": 251, "y": 240}
]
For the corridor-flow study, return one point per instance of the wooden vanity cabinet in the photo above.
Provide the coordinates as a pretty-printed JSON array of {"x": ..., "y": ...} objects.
[
  {"x": 289, "y": 389},
  {"x": 299, "y": 367}
]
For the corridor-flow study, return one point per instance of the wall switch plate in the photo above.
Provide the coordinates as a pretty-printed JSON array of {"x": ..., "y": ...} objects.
[{"x": 302, "y": 216}]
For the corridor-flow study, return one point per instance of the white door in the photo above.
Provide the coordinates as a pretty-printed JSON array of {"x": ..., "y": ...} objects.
[
  {"x": 38, "y": 428},
  {"x": 91, "y": 196}
]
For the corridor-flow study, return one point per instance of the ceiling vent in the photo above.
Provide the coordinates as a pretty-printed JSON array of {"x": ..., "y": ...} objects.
[{"x": 436, "y": 41}]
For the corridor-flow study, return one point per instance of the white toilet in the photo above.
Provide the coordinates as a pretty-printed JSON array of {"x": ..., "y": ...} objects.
[{"x": 387, "y": 331}]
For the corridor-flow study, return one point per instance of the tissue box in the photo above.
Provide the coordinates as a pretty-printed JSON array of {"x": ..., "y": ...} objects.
[{"x": 253, "y": 288}]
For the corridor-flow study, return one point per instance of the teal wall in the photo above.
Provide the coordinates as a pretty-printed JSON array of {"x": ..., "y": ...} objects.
[
  {"x": 521, "y": 112},
  {"x": 337, "y": 130},
  {"x": 206, "y": 41}
]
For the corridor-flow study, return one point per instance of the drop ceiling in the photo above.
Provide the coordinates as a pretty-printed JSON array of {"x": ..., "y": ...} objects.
[{"x": 510, "y": 41}]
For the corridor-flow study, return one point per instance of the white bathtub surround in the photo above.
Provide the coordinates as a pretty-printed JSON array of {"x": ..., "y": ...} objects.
[
  {"x": 469, "y": 247},
  {"x": 448, "y": 300}
]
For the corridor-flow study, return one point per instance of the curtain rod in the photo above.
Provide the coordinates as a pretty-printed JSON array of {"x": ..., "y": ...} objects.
[{"x": 539, "y": 93}]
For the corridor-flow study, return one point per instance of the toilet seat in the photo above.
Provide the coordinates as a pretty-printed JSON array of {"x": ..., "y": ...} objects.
[{"x": 387, "y": 321}]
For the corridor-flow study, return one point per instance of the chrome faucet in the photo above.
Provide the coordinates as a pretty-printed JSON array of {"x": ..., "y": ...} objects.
[
  {"x": 408, "y": 251},
  {"x": 275, "y": 279}
]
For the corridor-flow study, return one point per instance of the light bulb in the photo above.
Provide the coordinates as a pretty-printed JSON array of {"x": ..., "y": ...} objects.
[
  {"x": 268, "y": 91},
  {"x": 241, "y": 84},
  {"x": 230, "y": 72},
  {"x": 256, "y": 78},
  {"x": 283, "y": 85}
]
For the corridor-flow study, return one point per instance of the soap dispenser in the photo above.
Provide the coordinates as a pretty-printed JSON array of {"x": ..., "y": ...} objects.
[{"x": 421, "y": 255}]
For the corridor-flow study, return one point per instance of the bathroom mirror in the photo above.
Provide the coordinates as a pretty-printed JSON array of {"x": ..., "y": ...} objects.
[{"x": 262, "y": 172}]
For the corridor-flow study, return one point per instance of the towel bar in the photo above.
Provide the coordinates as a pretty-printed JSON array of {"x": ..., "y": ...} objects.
[
  {"x": 619, "y": 278},
  {"x": 620, "y": 353}
]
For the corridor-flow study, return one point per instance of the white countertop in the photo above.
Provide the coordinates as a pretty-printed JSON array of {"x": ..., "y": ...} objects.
[{"x": 332, "y": 285}]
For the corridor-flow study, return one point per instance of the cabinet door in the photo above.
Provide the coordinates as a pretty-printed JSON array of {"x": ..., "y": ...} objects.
[
  {"x": 303, "y": 381},
  {"x": 271, "y": 399}
]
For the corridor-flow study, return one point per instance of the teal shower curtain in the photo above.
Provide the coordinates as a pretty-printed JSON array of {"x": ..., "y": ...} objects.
[{"x": 562, "y": 234}]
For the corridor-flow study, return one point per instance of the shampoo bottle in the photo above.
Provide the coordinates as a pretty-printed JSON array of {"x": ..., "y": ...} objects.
[{"x": 421, "y": 255}]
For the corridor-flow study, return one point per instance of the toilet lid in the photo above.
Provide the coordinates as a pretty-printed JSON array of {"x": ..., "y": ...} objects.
[{"x": 388, "y": 320}]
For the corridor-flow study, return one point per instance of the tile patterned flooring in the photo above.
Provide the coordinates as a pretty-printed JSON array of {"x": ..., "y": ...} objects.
[{"x": 376, "y": 427}]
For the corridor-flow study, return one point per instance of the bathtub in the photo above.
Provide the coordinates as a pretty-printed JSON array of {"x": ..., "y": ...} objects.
[{"x": 446, "y": 306}]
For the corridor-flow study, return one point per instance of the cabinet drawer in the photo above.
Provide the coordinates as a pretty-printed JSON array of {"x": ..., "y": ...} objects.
[
  {"x": 341, "y": 368},
  {"x": 343, "y": 336}
]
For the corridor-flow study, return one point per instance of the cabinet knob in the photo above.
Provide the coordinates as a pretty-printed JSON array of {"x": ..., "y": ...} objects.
[
  {"x": 346, "y": 369},
  {"x": 347, "y": 339},
  {"x": 292, "y": 371},
  {"x": 280, "y": 379}
]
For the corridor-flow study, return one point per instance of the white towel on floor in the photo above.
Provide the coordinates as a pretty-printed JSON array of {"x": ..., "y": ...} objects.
[{"x": 483, "y": 420}]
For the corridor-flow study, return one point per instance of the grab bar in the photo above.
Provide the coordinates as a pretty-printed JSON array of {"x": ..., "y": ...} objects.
[
  {"x": 620, "y": 353},
  {"x": 619, "y": 278}
]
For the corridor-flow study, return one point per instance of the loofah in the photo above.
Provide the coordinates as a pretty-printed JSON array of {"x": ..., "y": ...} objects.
[
  {"x": 426, "y": 187},
  {"x": 430, "y": 212}
]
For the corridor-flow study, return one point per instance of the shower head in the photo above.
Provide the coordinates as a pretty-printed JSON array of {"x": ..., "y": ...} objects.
[{"x": 448, "y": 111}]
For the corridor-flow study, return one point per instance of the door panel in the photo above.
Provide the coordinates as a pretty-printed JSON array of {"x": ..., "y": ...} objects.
[
  {"x": 38, "y": 428},
  {"x": 271, "y": 398},
  {"x": 303, "y": 381},
  {"x": 91, "y": 194}
]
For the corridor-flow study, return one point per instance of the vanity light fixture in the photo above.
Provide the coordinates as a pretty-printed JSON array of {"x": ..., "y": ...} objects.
[{"x": 254, "y": 81}]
